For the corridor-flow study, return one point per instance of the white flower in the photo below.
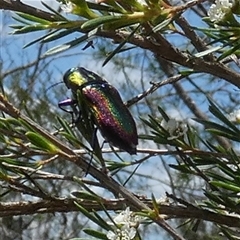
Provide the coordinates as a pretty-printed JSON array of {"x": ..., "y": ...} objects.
[
  {"x": 123, "y": 217},
  {"x": 217, "y": 11},
  {"x": 125, "y": 233},
  {"x": 113, "y": 235},
  {"x": 175, "y": 128},
  {"x": 127, "y": 223},
  {"x": 234, "y": 116},
  {"x": 127, "y": 217},
  {"x": 66, "y": 6}
]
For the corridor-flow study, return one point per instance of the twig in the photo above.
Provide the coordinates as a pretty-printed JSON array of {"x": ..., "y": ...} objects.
[
  {"x": 153, "y": 88},
  {"x": 67, "y": 205}
]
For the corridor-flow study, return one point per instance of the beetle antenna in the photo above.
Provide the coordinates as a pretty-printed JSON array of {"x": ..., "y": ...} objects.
[{"x": 53, "y": 85}]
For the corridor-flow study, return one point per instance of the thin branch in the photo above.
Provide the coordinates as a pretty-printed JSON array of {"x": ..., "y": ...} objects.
[
  {"x": 195, "y": 40},
  {"x": 153, "y": 88},
  {"x": 18, "y": 6},
  {"x": 67, "y": 205}
]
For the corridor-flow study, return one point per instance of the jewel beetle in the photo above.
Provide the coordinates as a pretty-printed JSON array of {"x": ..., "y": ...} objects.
[{"x": 98, "y": 101}]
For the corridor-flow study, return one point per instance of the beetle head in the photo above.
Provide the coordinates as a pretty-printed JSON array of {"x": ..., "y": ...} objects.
[{"x": 76, "y": 77}]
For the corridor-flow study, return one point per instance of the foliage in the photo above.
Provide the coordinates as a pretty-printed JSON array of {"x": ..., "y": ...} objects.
[{"x": 46, "y": 165}]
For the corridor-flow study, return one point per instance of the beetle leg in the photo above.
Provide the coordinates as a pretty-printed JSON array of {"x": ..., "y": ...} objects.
[
  {"x": 97, "y": 149},
  {"x": 93, "y": 145},
  {"x": 73, "y": 111},
  {"x": 66, "y": 103}
]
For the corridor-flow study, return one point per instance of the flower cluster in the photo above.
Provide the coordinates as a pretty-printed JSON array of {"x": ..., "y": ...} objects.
[
  {"x": 66, "y": 6},
  {"x": 234, "y": 116},
  {"x": 175, "y": 128},
  {"x": 126, "y": 223},
  {"x": 218, "y": 11}
]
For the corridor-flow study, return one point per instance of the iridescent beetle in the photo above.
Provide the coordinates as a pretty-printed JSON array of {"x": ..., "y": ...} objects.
[{"x": 102, "y": 104}]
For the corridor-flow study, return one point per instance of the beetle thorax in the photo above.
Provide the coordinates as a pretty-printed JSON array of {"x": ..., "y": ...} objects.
[{"x": 75, "y": 78}]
